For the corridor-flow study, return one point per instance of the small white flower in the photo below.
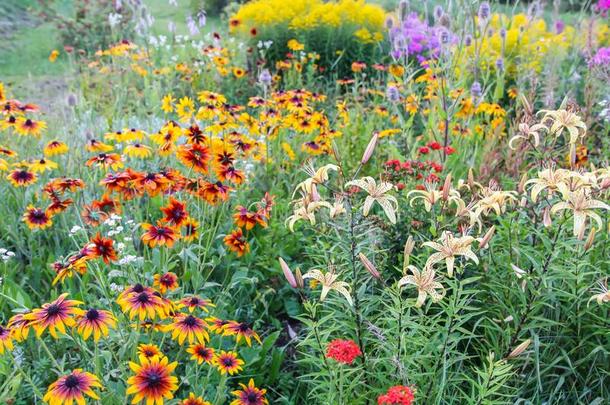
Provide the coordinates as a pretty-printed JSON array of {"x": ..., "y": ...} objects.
[{"x": 75, "y": 229}]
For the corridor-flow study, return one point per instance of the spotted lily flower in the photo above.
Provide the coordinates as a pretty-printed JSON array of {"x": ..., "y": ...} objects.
[
  {"x": 565, "y": 120},
  {"x": 449, "y": 248},
  {"x": 329, "y": 282},
  {"x": 425, "y": 282},
  {"x": 582, "y": 206},
  {"x": 377, "y": 193},
  {"x": 319, "y": 176}
]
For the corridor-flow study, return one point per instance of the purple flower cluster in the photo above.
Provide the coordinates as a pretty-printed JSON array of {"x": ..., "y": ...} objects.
[
  {"x": 601, "y": 57},
  {"x": 414, "y": 37}
]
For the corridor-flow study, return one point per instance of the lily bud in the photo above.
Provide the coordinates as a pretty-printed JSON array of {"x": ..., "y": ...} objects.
[
  {"x": 370, "y": 148},
  {"x": 590, "y": 239},
  {"x": 488, "y": 235},
  {"x": 523, "y": 202},
  {"x": 370, "y": 267},
  {"x": 546, "y": 217},
  {"x": 409, "y": 245},
  {"x": 315, "y": 196},
  {"x": 470, "y": 178},
  {"x": 521, "y": 186},
  {"x": 605, "y": 184},
  {"x": 287, "y": 273},
  {"x": 447, "y": 187},
  {"x": 299, "y": 278},
  {"x": 520, "y": 349}
]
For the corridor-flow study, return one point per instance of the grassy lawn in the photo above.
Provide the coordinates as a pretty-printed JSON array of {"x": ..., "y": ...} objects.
[{"x": 28, "y": 41}]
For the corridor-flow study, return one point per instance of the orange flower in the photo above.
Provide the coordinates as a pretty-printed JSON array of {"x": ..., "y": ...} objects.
[
  {"x": 236, "y": 242},
  {"x": 102, "y": 247},
  {"x": 55, "y": 315},
  {"x": 194, "y": 156},
  {"x": 246, "y": 219},
  {"x": 152, "y": 380},
  {"x": 167, "y": 281},
  {"x": 201, "y": 353},
  {"x": 159, "y": 235},
  {"x": 175, "y": 213},
  {"x": 37, "y": 218},
  {"x": 228, "y": 362}
]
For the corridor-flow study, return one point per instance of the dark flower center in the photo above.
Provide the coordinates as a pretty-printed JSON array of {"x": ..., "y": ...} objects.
[
  {"x": 53, "y": 309},
  {"x": 93, "y": 314},
  {"x": 138, "y": 288},
  {"x": 194, "y": 301},
  {"x": 143, "y": 298},
  {"x": 71, "y": 381},
  {"x": 190, "y": 321},
  {"x": 252, "y": 397},
  {"x": 153, "y": 379},
  {"x": 227, "y": 362}
]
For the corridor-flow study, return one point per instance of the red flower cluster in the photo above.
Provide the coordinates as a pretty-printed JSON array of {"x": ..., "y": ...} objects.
[
  {"x": 424, "y": 150},
  {"x": 343, "y": 351},
  {"x": 399, "y": 172},
  {"x": 398, "y": 394}
]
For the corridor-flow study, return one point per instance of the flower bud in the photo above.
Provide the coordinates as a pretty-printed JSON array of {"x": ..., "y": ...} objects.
[
  {"x": 546, "y": 217},
  {"x": 370, "y": 148},
  {"x": 370, "y": 267},
  {"x": 590, "y": 240},
  {"x": 488, "y": 235},
  {"x": 470, "y": 178},
  {"x": 446, "y": 187},
  {"x": 299, "y": 278},
  {"x": 287, "y": 273},
  {"x": 409, "y": 245},
  {"x": 520, "y": 349}
]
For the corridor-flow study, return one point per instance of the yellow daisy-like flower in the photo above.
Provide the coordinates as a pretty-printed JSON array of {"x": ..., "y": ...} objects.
[{"x": 73, "y": 388}]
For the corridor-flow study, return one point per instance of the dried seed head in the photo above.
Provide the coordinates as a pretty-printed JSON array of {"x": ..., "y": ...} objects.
[{"x": 520, "y": 349}]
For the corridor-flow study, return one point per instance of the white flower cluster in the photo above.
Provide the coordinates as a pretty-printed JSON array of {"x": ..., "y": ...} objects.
[
  {"x": 605, "y": 112},
  {"x": 6, "y": 254},
  {"x": 129, "y": 259}
]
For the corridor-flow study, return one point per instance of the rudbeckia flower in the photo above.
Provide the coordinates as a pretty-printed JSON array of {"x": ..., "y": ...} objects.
[
  {"x": 190, "y": 230},
  {"x": 193, "y": 400},
  {"x": 188, "y": 327},
  {"x": 28, "y": 126},
  {"x": 55, "y": 315},
  {"x": 216, "y": 325},
  {"x": 6, "y": 339},
  {"x": 201, "y": 353},
  {"x": 246, "y": 219},
  {"x": 42, "y": 165},
  {"x": 96, "y": 322},
  {"x": 159, "y": 235},
  {"x": 142, "y": 302},
  {"x": 149, "y": 350},
  {"x": 185, "y": 109},
  {"x": 138, "y": 150},
  {"x": 73, "y": 388},
  {"x": 241, "y": 330},
  {"x": 93, "y": 145},
  {"x": 167, "y": 103},
  {"x": 194, "y": 156},
  {"x": 152, "y": 380},
  {"x": 175, "y": 213},
  {"x": 22, "y": 177},
  {"x": 55, "y": 148},
  {"x": 236, "y": 242},
  {"x": 249, "y": 395},
  {"x": 195, "y": 302},
  {"x": 164, "y": 282},
  {"x": 106, "y": 161},
  {"x": 19, "y": 326},
  {"x": 37, "y": 218},
  {"x": 102, "y": 247},
  {"x": 228, "y": 362}
]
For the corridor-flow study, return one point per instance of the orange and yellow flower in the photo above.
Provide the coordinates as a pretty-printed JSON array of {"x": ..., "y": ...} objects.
[
  {"x": 73, "y": 388},
  {"x": 249, "y": 395},
  {"x": 55, "y": 316},
  {"x": 152, "y": 380},
  {"x": 228, "y": 362},
  {"x": 95, "y": 322}
]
